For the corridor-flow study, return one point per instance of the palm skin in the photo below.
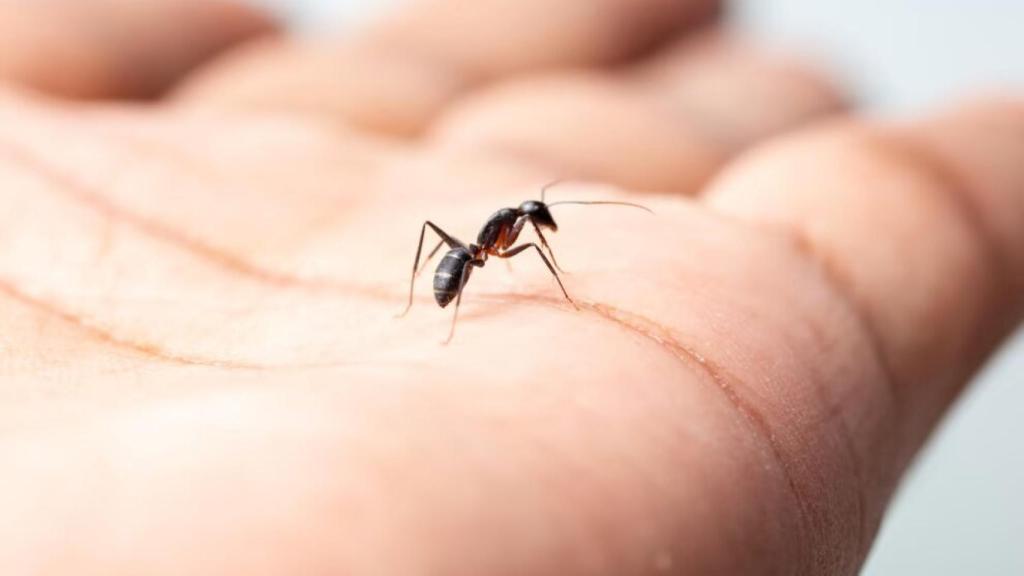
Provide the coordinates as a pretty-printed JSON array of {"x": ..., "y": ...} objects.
[{"x": 206, "y": 376}]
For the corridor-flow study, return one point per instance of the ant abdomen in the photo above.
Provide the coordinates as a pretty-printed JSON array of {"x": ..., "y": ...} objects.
[{"x": 451, "y": 275}]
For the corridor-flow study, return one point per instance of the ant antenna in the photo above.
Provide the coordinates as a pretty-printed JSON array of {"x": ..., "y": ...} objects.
[
  {"x": 548, "y": 186},
  {"x": 604, "y": 203}
]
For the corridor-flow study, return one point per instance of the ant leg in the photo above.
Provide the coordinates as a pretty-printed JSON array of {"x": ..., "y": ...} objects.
[
  {"x": 445, "y": 239},
  {"x": 451, "y": 241},
  {"x": 458, "y": 297},
  {"x": 429, "y": 258},
  {"x": 513, "y": 235},
  {"x": 519, "y": 250},
  {"x": 544, "y": 243}
]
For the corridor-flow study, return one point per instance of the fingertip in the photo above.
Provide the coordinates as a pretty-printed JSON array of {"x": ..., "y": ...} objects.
[
  {"x": 168, "y": 39},
  {"x": 492, "y": 38},
  {"x": 982, "y": 142},
  {"x": 586, "y": 125},
  {"x": 739, "y": 92},
  {"x": 367, "y": 87},
  {"x": 117, "y": 48},
  {"x": 665, "y": 125}
]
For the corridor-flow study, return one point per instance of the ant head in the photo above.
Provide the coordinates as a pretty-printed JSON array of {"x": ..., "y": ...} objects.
[{"x": 540, "y": 215}]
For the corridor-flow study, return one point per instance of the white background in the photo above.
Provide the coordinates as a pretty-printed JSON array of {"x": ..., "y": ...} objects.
[{"x": 961, "y": 512}]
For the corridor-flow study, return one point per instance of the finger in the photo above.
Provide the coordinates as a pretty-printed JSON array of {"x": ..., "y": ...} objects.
[
  {"x": 395, "y": 76},
  {"x": 667, "y": 124},
  {"x": 116, "y": 48},
  {"x": 373, "y": 89},
  {"x": 920, "y": 228},
  {"x": 502, "y": 37}
]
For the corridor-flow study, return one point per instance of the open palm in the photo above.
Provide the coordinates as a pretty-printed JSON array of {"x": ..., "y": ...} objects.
[{"x": 203, "y": 372}]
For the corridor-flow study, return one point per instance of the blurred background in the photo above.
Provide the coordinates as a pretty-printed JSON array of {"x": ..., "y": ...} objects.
[{"x": 961, "y": 511}]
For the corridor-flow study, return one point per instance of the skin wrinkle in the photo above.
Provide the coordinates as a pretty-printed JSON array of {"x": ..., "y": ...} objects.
[
  {"x": 917, "y": 157},
  {"x": 151, "y": 149},
  {"x": 146, "y": 349},
  {"x": 959, "y": 190},
  {"x": 663, "y": 337},
  {"x": 149, "y": 350},
  {"x": 839, "y": 287},
  {"x": 115, "y": 215},
  {"x": 177, "y": 157},
  {"x": 956, "y": 188},
  {"x": 66, "y": 186},
  {"x": 159, "y": 150}
]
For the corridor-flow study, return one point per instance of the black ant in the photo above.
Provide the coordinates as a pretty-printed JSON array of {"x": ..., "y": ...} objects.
[{"x": 496, "y": 238}]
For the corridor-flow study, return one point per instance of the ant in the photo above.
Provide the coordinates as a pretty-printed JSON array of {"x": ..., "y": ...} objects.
[{"x": 496, "y": 238}]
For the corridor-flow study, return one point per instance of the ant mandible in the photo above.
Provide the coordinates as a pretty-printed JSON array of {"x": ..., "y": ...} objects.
[{"x": 496, "y": 238}]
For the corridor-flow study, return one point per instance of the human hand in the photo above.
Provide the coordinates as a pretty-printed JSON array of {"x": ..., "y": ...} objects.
[{"x": 203, "y": 370}]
